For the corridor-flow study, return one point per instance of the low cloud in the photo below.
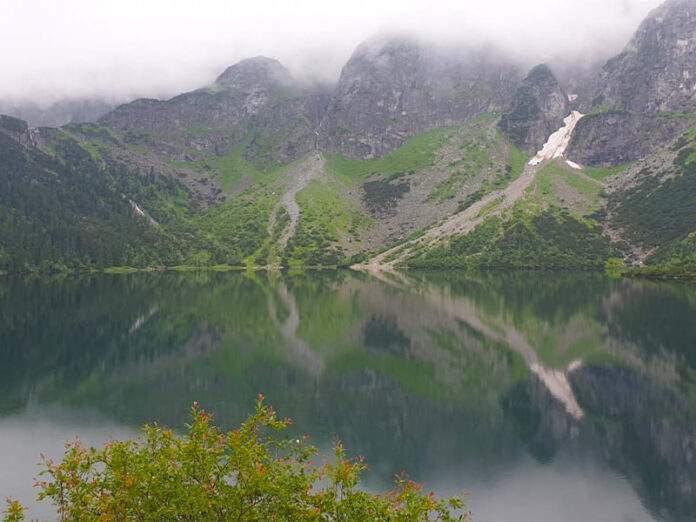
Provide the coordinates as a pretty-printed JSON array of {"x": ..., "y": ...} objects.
[{"x": 129, "y": 48}]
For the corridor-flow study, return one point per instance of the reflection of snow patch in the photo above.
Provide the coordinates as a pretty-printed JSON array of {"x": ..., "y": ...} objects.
[
  {"x": 556, "y": 382},
  {"x": 575, "y": 365},
  {"x": 557, "y": 143},
  {"x": 140, "y": 321},
  {"x": 574, "y": 165}
]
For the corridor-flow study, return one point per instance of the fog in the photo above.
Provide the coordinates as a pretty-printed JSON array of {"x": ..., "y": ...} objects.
[{"x": 52, "y": 50}]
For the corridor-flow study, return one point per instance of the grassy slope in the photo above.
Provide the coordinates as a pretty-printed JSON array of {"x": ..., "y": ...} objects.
[
  {"x": 551, "y": 227},
  {"x": 327, "y": 220},
  {"x": 560, "y": 205},
  {"x": 659, "y": 212},
  {"x": 416, "y": 153},
  {"x": 231, "y": 168}
]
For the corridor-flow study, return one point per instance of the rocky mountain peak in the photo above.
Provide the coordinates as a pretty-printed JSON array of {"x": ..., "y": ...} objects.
[
  {"x": 657, "y": 69},
  {"x": 253, "y": 74},
  {"x": 395, "y": 87},
  {"x": 538, "y": 109},
  {"x": 385, "y": 54}
]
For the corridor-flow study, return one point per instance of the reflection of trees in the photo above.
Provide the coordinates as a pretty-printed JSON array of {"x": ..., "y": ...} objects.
[
  {"x": 62, "y": 329},
  {"x": 423, "y": 370}
]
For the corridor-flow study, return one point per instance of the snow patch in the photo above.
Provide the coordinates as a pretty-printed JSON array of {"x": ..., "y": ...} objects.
[
  {"x": 557, "y": 143},
  {"x": 141, "y": 213},
  {"x": 572, "y": 97},
  {"x": 573, "y": 165}
]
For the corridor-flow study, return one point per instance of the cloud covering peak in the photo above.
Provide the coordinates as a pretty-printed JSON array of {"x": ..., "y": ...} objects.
[{"x": 127, "y": 48}]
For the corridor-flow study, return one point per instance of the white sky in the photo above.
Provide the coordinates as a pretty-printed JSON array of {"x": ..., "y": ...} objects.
[{"x": 125, "y": 48}]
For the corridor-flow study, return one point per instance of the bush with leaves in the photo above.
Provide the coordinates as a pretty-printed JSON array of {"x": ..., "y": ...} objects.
[{"x": 253, "y": 473}]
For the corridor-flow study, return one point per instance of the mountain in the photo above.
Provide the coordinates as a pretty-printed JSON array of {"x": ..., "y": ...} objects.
[
  {"x": 641, "y": 96},
  {"x": 538, "y": 108},
  {"x": 394, "y": 88},
  {"x": 255, "y": 103},
  {"x": 419, "y": 155},
  {"x": 656, "y": 72}
]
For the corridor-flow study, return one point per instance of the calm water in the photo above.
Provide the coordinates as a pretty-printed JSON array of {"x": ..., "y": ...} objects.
[{"x": 548, "y": 397}]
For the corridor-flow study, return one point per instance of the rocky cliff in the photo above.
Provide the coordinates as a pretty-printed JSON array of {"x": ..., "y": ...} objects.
[
  {"x": 255, "y": 102},
  {"x": 657, "y": 69},
  {"x": 618, "y": 137},
  {"x": 394, "y": 88},
  {"x": 637, "y": 91},
  {"x": 538, "y": 109}
]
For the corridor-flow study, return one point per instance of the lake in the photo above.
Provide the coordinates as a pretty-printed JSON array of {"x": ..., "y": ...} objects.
[{"x": 544, "y": 396}]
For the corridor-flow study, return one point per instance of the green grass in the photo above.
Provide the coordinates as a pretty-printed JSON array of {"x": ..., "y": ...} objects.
[
  {"x": 416, "y": 153},
  {"x": 517, "y": 161},
  {"x": 527, "y": 238},
  {"x": 326, "y": 216},
  {"x": 581, "y": 184},
  {"x": 483, "y": 155},
  {"x": 477, "y": 155},
  {"x": 231, "y": 168},
  {"x": 557, "y": 180},
  {"x": 237, "y": 229},
  {"x": 121, "y": 270},
  {"x": 490, "y": 207},
  {"x": 600, "y": 174}
]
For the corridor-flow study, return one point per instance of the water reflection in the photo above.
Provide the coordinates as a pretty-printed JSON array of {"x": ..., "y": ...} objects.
[{"x": 529, "y": 390}]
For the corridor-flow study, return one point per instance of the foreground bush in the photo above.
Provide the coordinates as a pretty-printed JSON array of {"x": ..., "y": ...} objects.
[{"x": 252, "y": 473}]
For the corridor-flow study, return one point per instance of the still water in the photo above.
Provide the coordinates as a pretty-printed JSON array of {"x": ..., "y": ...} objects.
[{"x": 546, "y": 397}]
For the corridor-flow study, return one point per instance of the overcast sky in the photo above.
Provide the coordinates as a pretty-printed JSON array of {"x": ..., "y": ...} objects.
[{"x": 126, "y": 48}]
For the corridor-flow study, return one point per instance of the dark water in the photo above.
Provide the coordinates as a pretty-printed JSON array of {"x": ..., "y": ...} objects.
[{"x": 548, "y": 397}]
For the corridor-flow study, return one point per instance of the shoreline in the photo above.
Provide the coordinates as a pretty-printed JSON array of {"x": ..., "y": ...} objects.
[{"x": 364, "y": 268}]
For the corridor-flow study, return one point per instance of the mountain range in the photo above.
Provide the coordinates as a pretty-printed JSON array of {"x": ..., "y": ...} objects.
[{"x": 420, "y": 155}]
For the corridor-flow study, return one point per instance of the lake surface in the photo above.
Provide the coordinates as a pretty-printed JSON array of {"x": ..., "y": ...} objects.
[{"x": 545, "y": 396}]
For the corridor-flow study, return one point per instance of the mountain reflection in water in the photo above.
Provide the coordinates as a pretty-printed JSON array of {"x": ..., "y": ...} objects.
[{"x": 548, "y": 396}]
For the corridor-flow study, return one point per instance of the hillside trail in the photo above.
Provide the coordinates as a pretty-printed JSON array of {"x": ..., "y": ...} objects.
[
  {"x": 492, "y": 204},
  {"x": 298, "y": 177}
]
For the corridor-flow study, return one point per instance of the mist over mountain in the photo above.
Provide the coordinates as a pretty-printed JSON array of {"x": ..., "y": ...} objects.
[
  {"x": 60, "y": 112},
  {"x": 80, "y": 50}
]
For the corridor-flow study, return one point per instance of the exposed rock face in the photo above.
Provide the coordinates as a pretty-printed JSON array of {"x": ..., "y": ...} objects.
[
  {"x": 256, "y": 98},
  {"x": 538, "y": 109},
  {"x": 654, "y": 75},
  {"x": 392, "y": 89},
  {"x": 617, "y": 137},
  {"x": 657, "y": 69},
  {"x": 254, "y": 74}
]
